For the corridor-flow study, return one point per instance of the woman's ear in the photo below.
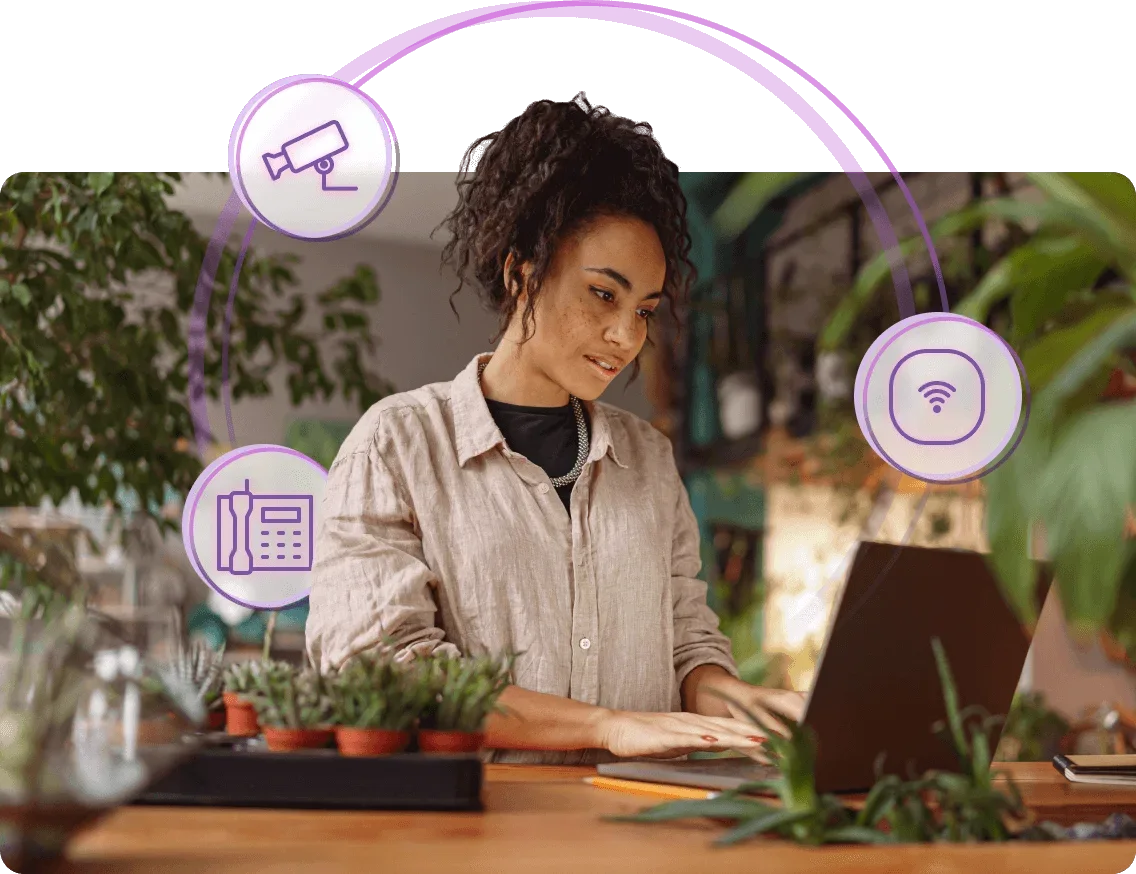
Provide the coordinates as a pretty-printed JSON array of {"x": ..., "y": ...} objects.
[{"x": 515, "y": 277}]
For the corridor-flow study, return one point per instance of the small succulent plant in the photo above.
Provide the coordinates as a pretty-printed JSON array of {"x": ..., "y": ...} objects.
[
  {"x": 288, "y": 697},
  {"x": 240, "y": 677},
  {"x": 200, "y": 667},
  {"x": 464, "y": 691},
  {"x": 374, "y": 691}
]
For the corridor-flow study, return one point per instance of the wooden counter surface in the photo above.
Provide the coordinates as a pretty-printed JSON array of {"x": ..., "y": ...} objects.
[{"x": 544, "y": 820}]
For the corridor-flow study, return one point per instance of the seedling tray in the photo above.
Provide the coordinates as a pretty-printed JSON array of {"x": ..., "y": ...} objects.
[{"x": 320, "y": 780}]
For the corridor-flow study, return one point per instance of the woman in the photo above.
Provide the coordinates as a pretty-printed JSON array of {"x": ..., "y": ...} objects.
[{"x": 508, "y": 509}]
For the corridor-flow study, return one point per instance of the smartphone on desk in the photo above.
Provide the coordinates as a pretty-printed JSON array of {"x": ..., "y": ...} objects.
[{"x": 1103, "y": 770}]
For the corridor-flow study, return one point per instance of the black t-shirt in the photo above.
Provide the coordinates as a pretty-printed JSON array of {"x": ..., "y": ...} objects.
[{"x": 546, "y": 436}]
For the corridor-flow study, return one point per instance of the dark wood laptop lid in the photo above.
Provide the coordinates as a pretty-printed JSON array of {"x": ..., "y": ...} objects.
[{"x": 876, "y": 688}]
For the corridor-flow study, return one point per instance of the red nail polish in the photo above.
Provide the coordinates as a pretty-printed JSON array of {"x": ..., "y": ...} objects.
[
  {"x": 708, "y": 738},
  {"x": 756, "y": 739}
]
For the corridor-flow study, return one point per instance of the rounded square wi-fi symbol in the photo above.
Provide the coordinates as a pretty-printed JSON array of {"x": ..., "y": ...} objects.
[{"x": 937, "y": 397}]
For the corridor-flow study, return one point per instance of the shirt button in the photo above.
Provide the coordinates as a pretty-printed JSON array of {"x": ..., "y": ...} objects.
[
  {"x": 543, "y": 488},
  {"x": 585, "y": 644}
]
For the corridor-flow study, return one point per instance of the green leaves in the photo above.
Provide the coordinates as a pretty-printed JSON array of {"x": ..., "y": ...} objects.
[
  {"x": 289, "y": 697},
  {"x": 107, "y": 413},
  {"x": 747, "y": 199},
  {"x": 99, "y": 182},
  {"x": 1089, "y": 482},
  {"x": 1039, "y": 275},
  {"x": 374, "y": 691},
  {"x": 944, "y": 806},
  {"x": 464, "y": 691}
]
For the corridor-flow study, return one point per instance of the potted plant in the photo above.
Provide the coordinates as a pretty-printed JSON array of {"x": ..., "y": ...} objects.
[
  {"x": 202, "y": 668},
  {"x": 237, "y": 682},
  {"x": 293, "y": 707},
  {"x": 465, "y": 693},
  {"x": 376, "y": 702}
]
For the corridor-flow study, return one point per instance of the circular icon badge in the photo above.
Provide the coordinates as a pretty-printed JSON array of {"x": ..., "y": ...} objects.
[
  {"x": 250, "y": 522},
  {"x": 939, "y": 397},
  {"x": 313, "y": 157}
]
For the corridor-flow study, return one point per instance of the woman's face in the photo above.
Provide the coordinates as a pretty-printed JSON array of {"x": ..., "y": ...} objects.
[{"x": 590, "y": 318}]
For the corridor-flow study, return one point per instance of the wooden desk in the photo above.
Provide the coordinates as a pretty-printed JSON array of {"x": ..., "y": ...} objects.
[{"x": 545, "y": 820}]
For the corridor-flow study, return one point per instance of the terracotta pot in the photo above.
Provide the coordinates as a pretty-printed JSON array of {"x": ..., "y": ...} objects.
[
  {"x": 370, "y": 741},
  {"x": 151, "y": 732},
  {"x": 240, "y": 716},
  {"x": 215, "y": 720},
  {"x": 283, "y": 740},
  {"x": 437, "y": 741}
]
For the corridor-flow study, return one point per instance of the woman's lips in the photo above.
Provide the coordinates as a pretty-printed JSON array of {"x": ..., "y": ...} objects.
[{"x": 602, "y": 371}]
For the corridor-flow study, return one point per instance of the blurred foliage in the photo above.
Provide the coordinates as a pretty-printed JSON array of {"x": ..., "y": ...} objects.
[
  {"x": 98, "y": 276},
  {"x": 964, "y": 805},
  {"x": 1061, "y": 289},
  {"x": 1033, "y": 730}
]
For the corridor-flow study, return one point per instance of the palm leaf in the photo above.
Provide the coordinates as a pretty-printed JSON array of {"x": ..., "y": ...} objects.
[
  {"x": 765, "y": 822},
  {"x": 710, "y": 808}
]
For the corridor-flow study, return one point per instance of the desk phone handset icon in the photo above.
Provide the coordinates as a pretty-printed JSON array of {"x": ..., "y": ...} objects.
[
  {"x": 264, "y": 532},
  {"x": 240, "y": 508}
]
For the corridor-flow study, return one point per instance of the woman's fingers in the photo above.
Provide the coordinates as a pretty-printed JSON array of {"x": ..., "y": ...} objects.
[{"x": 737, "y": 729}]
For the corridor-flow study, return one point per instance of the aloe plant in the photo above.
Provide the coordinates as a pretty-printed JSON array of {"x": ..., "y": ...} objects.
[
  {"x": 464, "y": 691},
  {"x": 967, "y": 805},
  {"x": 288, "y": 697},
  {"x": 201, "y": 668},
  {"x": 374, "y": 691}
]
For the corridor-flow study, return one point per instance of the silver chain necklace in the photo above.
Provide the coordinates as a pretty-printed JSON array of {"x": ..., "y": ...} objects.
[{"x": 581, "y": 438}]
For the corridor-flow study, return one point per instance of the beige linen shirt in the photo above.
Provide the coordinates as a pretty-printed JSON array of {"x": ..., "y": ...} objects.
[{"x": 436, "y": 534}]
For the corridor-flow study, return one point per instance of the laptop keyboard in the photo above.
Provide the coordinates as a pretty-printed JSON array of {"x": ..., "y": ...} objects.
[{"x": 733, "y": 766}]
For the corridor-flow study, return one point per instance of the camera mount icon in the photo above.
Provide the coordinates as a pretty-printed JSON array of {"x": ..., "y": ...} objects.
[{"x": 313, "y": 148}]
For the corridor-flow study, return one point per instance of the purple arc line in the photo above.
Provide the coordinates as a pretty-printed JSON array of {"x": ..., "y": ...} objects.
[
  {"x": 671, "y": 23},
  {"x": 370, "y": 63},
  {"x": 890, "y": 243},
  {"x": 198, "y": 320},
  {"x": 225, "y": 393}
]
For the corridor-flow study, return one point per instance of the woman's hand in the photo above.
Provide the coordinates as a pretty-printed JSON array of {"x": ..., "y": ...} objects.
[
  {"x": 710, "y": 690},
  {"x": 766, "y": 704},
  {"x": 669, "y": 735}
]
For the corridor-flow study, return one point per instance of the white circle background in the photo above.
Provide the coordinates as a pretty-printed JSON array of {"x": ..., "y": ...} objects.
[
  {"x": 1003, "y": 396},
  {"x": 273, "y": 470},
  {"x": 296, "y": 202}
]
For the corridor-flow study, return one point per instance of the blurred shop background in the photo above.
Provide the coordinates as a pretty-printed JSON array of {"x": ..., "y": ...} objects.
[{"x": 755, "y": 394}]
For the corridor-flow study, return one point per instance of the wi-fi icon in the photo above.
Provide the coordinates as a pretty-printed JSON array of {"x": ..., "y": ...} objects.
[{"x": 937, "y": 392}]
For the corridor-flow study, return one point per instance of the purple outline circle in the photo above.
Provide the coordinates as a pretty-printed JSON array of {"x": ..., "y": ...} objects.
[
  {"x": 190, "y": 512},
  {"x": 390, "y": 169},
  {"x": 860, "y": 401}
]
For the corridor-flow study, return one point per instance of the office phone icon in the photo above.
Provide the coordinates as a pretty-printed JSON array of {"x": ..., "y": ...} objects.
[{"x": 264, "y": 532}]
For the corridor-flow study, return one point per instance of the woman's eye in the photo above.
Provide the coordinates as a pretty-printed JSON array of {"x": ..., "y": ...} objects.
[
  {"x": 647, "y": 314},
  {"x": 603, "y": 294}
]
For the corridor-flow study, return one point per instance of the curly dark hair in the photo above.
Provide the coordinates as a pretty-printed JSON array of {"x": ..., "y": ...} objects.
[{"x": 545, "y": 175}]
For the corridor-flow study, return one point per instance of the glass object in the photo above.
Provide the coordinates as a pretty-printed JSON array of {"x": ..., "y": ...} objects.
[{"x": 92, "y": 712}]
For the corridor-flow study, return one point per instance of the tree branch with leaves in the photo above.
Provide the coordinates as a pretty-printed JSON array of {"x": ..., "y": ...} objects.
[{"x": 97, "y": 277}]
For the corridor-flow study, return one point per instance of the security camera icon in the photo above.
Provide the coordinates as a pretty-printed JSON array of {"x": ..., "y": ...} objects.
[{"x": 313, "y": 148}]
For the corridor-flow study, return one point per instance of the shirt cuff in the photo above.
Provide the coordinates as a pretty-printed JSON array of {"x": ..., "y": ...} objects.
[{"x": 709, "y": 658}]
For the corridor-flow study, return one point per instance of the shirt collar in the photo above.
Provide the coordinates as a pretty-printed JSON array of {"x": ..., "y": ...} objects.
[{"x": 476, "y": 432}]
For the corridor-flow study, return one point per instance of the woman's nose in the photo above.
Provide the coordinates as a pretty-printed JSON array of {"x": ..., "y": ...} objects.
[{"x": 623, "y": 331}]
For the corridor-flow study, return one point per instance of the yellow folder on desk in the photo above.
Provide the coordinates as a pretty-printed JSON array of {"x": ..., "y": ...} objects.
[{"x": 652, "y": 790}]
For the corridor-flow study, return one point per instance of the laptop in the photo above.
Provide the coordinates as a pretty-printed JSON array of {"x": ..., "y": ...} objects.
[{"x": 876, "y": 688}]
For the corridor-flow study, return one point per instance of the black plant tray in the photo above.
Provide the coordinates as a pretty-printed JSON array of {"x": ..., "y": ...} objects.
[{"x": 320, "y": 780}]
